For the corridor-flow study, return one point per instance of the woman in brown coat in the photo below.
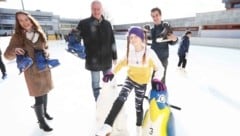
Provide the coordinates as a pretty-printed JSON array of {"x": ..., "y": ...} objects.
[{"x": 28, "y": 37}]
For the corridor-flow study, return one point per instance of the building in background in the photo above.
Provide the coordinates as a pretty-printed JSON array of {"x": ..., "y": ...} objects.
[
  {"x": 53, "y": 25},
  {"x": 216, "y": 24},
  {"x": 66, "y": 24},
  {"x": 230, "y": 4}
]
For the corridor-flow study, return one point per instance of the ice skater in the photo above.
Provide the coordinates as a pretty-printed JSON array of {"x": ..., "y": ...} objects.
[
  {"x": 2, "y": 67},
  {"x": 140, "y": 61},
  {"x": 183, "y": 50},
  {"x": 162, "y": 36},
  {"x": 29, "y": 39}
]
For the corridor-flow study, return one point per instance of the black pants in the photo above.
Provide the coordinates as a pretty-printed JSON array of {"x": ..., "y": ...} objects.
[
  {"x": 2, "y": 66},
  {"x": 182, "y": 61},
  {"x": 164, "y": 62}
]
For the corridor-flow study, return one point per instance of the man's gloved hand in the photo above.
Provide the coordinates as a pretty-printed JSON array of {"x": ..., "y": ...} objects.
[
  {"x": 108, "y": 77},
  {"x": 147, "y": 31},
  {"x": 158, "y": 85},
  {"x": 147, "y": 28}
]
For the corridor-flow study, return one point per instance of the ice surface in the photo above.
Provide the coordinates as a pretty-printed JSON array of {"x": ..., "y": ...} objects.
[{"x": 208, "y": 93}]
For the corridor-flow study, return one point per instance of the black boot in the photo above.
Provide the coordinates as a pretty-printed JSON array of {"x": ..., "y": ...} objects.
[
  {"x": 42, "y": 123},
  {"x": 4, "y": 76},
  {"x": 47, "y": 116},
  {"x": 139, "y": 118}
]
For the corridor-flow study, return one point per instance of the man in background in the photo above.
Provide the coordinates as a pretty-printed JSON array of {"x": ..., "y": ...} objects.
[
  {"x": 161, "y": 35},
  {"x": 99, "y": 42}
]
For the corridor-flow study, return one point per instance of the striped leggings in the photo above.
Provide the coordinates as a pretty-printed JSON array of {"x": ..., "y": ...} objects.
[{"x": 128, "y": 86}]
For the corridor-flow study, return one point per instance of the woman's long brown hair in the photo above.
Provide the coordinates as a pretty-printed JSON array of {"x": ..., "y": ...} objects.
[{"x": 36, "y": 25}]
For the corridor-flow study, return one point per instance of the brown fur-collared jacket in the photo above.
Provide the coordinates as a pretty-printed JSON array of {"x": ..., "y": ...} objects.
[{"x": 38, "y": 83}]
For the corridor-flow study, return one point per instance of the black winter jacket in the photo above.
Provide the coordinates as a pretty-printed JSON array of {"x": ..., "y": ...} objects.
[
  {"x": 183, "y": 46},
  {"x": 99, "y": 42}
]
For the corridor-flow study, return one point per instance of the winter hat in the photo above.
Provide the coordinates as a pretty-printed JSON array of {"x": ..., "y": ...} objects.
[
  {"x": 188, "y": 32},
  {"x": 137, "y": 31}
]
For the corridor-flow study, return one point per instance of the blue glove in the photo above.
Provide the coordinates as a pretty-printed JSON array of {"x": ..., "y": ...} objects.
[
  {"x": 108, "y": 77},
  {"x": 158, "y": 85}
]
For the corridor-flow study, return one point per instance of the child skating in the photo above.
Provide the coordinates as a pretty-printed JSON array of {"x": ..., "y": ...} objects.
[{"x": 141, "y": 62}]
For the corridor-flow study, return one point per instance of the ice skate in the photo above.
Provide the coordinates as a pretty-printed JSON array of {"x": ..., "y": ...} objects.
[
  {"x": 43, "y": 62},
  {"x": 139, "y": 131},
  {"x": 77, "y": 49},
  {"x": 81, "y": 51},
  {"x": 184, "y": 70},
  {"x": 53, "y": 62},
  {"x": 74, "y": 44},
  {"x": 105, "y": 130},
  {"x": 40, "y": 59},
  {"x": 179, "y": 68},
  {"x": 23, "y": 62},
  {"x": 4, "y": 76},
  {"x": 70, "y": 48}
]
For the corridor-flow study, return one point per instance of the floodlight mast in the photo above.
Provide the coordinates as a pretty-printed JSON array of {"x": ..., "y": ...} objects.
[{"x": 22, "y": 5}]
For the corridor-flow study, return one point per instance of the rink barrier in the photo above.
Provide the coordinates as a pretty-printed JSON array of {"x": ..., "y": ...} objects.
[
  {"x": 216, "y": 42},
  {"x": 197, "y": 41},
  {"x": 204, "y": 41}
]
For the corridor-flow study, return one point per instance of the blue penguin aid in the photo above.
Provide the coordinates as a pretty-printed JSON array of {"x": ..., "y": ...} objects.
[
  {"x": 23, "y": 62},
  {"x": 158, "y": 119}
]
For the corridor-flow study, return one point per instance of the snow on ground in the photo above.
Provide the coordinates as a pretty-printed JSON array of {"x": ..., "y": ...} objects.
[{"x": 207, "y": 93}]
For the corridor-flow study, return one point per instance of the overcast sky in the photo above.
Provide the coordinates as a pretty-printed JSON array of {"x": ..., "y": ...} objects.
[{"x": 120, "y": 11}]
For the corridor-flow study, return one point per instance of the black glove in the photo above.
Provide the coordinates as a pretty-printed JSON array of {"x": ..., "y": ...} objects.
[
  {"x": 108, "y": 77},
  {"x": 158, "y": 85}
]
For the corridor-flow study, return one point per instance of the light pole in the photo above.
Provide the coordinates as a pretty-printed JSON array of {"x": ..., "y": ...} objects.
[{"x": 22, "y": 4}]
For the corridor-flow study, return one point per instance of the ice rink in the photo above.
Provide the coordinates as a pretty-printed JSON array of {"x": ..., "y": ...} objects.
[{"x": 208, "y": 93}]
